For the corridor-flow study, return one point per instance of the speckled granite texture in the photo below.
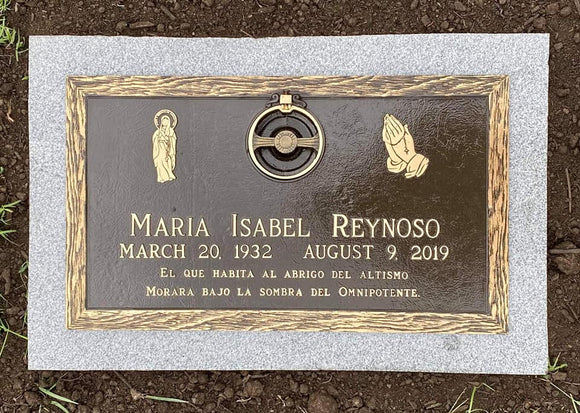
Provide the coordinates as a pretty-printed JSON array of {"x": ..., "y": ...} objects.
[{"x": 522, "y": 351}]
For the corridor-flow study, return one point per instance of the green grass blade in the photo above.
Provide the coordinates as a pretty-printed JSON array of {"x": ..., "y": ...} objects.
[
  {"x": 5, "y": 233},
  {"x": 3, "y": 344},
  {"x": 4, "y": 6},
  {"x": 166, "y": 399},
  {"x": 56, "y": 396},
  {"x": 23, "y": 267},
  {"x": 470, "y": 410},
  {"x": 456, "y": 406},
  {"x": 18, "y": 335},
  {"x": 9, "y": 207},
  {"x": 60, "y": 406},
  {"x": 6, "y": 328}
]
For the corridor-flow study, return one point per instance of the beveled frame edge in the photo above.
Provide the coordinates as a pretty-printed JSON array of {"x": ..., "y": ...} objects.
[
  {"x": 494, "y": 87},
  {"x": 498, "y": 202}
]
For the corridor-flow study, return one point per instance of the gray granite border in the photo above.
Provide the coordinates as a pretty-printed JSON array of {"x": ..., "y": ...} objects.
[{"x": 522, "y": 351}]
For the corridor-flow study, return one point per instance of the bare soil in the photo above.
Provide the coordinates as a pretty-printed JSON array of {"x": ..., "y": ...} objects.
[{"x": 278, "y": 391}]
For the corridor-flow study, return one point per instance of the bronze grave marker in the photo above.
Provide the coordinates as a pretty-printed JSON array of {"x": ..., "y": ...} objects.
[{"x": 279, "y": 203}]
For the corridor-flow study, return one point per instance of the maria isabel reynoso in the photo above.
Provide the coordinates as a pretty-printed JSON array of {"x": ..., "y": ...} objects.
[{"x": 342, "y": 226}]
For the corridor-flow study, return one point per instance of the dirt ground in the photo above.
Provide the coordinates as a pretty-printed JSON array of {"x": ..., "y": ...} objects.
[{"x": 278, "y": 391}]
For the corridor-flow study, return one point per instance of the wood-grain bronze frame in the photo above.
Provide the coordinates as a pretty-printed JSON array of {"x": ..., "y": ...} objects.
[{"x": 495, "y": 88}]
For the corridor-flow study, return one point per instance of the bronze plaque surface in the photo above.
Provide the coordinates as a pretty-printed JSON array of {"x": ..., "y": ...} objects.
[{"x": 286, "y": 198}]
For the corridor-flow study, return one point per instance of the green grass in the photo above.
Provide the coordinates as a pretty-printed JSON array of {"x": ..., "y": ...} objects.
[
  {"x": 9, "y": 37},
  {"x": 23, "y": 271},
  {"x": 4, "y": 5},
  {"x": 60, "y": 406},
  {"x": 165, "y": 399},
  {"x": 459, "y": 404},
  {"x": 4, "y": 222},
  {"x": 5, "y": 329},
  {"x": 575, "y": 403},
  {"x": 555, "y": 366},
  {"x": 137, "y": 395},
  {"x": 23, "y": 267},
  {"x": 57, "y": 398}
]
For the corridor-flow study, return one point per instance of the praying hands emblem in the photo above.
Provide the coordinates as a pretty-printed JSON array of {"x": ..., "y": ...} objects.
[{"x": 401, "y": 149}]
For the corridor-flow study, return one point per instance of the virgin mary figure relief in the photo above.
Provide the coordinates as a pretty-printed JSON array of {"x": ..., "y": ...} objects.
[{"x": 164, "y": 140}]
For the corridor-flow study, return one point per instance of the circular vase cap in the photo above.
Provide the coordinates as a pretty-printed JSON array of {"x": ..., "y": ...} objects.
[{"x": 285, "y": 141}]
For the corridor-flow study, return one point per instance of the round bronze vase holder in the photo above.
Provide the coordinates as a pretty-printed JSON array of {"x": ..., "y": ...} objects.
[{"x": 285, "y": 141}]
